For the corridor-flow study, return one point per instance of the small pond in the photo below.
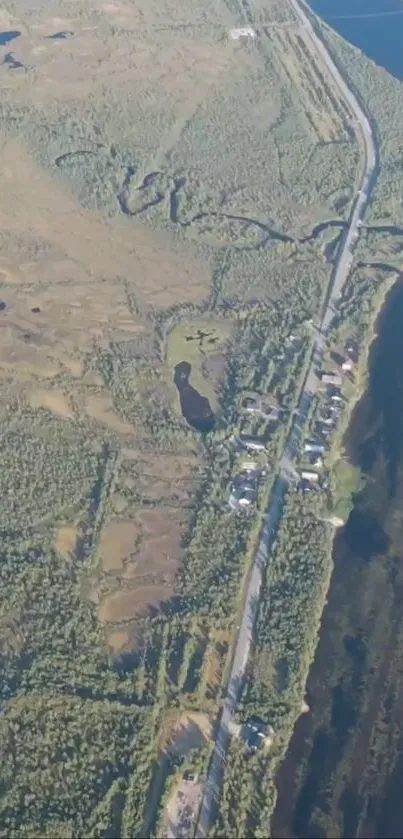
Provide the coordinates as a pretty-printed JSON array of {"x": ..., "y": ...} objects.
[
  {"x": 195, "y": 408},
  {"x": 5, "y": 37}
]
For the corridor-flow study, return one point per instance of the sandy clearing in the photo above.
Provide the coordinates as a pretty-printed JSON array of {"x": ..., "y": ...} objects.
[
  {"x": 118, "y": 639},
  {"x": 66, "y": 540},
  {"x": 51, "y": 400},
  {"x": 101, "y": 408},
  {"x": 123, "y": 605}
]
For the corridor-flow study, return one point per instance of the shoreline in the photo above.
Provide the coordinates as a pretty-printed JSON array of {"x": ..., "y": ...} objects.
[
  {"x": 336, "y": 454},
  {"x": 339, "y": 446}
]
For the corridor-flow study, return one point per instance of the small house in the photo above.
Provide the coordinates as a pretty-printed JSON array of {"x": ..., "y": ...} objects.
[
  {"x": 256, "y": 734},
  {"x": 253, "y": 444},
  {"x": 315, "y": 448},
  {"x": 242, "y": 32},
  {"x": 250, "y": 403},
  {"x": 316, "y": 460},
  {"x": 330, "y": 378},
  {"x": 308, "y": 475},
  {"x": 348, "y": 365}
]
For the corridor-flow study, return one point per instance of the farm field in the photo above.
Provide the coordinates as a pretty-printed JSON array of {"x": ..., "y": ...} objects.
[{"x": 167, "y": 194}]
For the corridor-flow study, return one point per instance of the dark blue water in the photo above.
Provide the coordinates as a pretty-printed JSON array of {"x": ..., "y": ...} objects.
[
  {"x": 5, "y": 37},
  {"x": 375, "y": 26},
  {"x": 195, "y": 407}
]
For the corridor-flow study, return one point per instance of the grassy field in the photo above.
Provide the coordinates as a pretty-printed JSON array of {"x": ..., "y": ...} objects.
[
  {"x": 205, "y": 344},
  {"x": 158, "y": 181}
]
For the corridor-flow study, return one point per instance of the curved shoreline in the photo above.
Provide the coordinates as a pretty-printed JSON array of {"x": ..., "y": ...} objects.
[{"x": 293, "y": 764}]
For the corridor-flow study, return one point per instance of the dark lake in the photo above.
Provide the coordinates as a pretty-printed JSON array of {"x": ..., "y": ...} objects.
[
  {"x": 195, "y": 407},
  {"x": 5, "y": 37},
  {"x": 375, "y": 26},
  {"x": 343, "y": 774}
]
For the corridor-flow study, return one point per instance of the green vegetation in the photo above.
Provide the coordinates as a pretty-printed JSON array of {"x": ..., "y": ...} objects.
[
  {"x": 53, "y": 469},
  {"x": 167, "y": 209},
  {"x": 66, "y": 764},
  {"x": 382, "y": 95},
  {"x": 204, "y": 344},
  {"x": 347, "y": 481},
  {"x": 295, "y": 589}
]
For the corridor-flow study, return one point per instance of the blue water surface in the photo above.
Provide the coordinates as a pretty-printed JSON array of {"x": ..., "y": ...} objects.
[{"x": 375, "y": 26}]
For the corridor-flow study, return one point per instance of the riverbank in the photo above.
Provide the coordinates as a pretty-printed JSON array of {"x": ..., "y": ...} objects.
[
  {"x": 346, "y": 478},
  {"x": 296, "y": 587},
  {"x": 344, "y": 756}
]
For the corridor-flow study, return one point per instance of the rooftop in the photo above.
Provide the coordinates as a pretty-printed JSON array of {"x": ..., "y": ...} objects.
[{"x": 256, "y": 733}]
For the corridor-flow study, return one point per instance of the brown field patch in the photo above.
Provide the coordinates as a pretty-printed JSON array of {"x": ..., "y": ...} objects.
[
  {"x": 51, "y": 400},
  {"x": 214, "y": 671},
  {"x": 125, "y": 604},
  {"x": 168, "y": 477},
  {"x": 101, "y": 408},
  {"x": 118, "y": 541},
  {"x": 156, "y": 523},
  {"x": 157, "y": 560},
  {"x": 118, "y": 640},
  {"x": 162, "y": 553},
  {"x": 79, "y": 245},
  {"x": 66, "y": 540},
  {"x": 155, "y": 565}
]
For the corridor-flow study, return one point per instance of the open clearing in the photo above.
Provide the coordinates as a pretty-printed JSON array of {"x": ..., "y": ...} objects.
[
  {"x": 182, "y": 808},
  {"x": 197, "y": 342},
  {"x": 66, "y": 540},
  {"x": 190, "y": 731},
  {"x": 118, "y": 541}
]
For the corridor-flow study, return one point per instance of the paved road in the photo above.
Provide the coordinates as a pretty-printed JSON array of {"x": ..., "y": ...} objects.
[{"x": 341, "y": 271}]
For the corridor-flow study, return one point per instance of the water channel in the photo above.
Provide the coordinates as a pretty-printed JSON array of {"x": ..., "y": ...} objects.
[{"x": 342, "y": 776}]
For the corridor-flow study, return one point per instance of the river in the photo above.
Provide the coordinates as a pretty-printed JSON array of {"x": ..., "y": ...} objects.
[
  {"x": 343, "y": 773},
  {"x": 375, "y": 26}
]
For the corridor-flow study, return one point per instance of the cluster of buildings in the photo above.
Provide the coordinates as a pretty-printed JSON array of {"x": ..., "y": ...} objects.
[
  {"x": 245, "y": 485},
  {"x": 312, "y": 475}
]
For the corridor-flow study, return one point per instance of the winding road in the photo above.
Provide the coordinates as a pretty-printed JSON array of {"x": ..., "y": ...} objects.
[{"x": 341, "y": 270}]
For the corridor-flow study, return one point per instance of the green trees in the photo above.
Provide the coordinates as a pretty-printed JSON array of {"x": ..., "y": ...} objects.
[
  {"x": 286, "y": 632},
  {"x": 64, "y": 763}
]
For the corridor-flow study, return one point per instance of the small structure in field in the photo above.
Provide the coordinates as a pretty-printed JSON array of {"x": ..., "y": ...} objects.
[
  {"x": 313, "y": 447},
  {"x": 253, "y": 444},
  {"x": 239, "y": 32},
  {"x": 308, "y": 475},
  {"x": 351, "y": 348},
  {"x": 348, "y": 365},
  {"x": 330, "y": 378},
  {"x": 255, "y": 403}
]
